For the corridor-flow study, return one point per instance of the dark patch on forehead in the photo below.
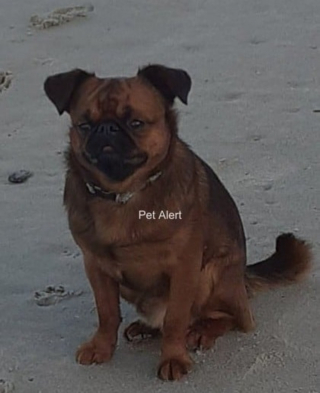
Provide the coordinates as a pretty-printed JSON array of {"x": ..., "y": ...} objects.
[
  {"x": 127, "y": 113},
  {"x": 114, "y": 85},
  {"x": 113, "y": 96},
  {"x": 109, "y": 96}
]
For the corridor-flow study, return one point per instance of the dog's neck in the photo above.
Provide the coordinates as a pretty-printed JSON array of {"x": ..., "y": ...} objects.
[{"x": 121, "y": 198}]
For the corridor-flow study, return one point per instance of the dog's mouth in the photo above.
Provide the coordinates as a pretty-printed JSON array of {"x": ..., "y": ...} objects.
[
  {"x": 113, "y": 151},
  {"x": 89, "y": 158},
  {"x": 115, "y": 165},
  {"x": 109, "y": 153},
  {"x": 107, "y": 149}
]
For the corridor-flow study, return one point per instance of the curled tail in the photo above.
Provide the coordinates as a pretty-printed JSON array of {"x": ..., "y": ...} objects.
[{"x": 290, "y": 263}]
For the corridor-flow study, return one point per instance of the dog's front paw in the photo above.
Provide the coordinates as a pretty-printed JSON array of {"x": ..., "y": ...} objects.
[
  {"x": 175, "y": 368},
  {"x": 98, "y": 350}
]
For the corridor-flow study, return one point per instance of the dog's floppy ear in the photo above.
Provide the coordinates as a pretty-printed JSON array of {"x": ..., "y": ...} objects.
[
  {"x": 60, "y": 88},
  {"x": 170, "y": 82}
]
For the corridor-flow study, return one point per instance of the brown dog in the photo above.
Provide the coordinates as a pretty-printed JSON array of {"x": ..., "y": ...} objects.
[{"x": 154, "y": 222}]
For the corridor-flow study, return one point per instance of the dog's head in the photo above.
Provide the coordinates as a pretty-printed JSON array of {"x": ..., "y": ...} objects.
[{"x": 119, "y": 126}]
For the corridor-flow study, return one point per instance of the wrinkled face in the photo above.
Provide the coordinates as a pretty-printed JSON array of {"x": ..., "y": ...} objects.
[{"x": 119, "y": 125}]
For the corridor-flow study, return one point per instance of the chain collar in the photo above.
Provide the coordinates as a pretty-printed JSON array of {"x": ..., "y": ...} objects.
[{"x": 116, "y": 197}]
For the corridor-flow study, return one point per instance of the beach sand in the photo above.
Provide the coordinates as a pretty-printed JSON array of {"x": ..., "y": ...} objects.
[{"x": 252, "y": 115}]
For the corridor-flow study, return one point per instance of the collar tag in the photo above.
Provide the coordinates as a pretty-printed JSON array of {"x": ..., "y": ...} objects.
[
  {"x": 123, "y": 198},
  {"x": 154, "y": 177},
  {"x": 90, "y": 189}
]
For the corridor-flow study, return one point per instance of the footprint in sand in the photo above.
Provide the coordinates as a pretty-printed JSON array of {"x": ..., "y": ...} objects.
[
  {"x": 231, "y": 96},
  {"x": 59, "y": 17},
  {"x": 5, "y": 80},
  {"x": 256, "y": 41},
  {"x": 73, "y": 254},
  {"x": 44, "y": 61},
  {"x": 6, "y": 387},
  {"x": 53, "y": 295}
]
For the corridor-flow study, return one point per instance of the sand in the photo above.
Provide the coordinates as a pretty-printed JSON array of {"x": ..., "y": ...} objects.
[{"x": 253, "y": 114}]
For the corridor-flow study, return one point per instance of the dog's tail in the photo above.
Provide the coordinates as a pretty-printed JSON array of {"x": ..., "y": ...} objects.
[{"x": 290, "y": 263}]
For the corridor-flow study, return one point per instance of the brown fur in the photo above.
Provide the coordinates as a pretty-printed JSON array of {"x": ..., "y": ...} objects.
[
  {"x": 187, "y": 278},
  {"x": 290, "y": 263}
]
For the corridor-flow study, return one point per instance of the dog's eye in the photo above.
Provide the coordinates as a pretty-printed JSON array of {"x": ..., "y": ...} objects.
[
  {"x": 136, "y": 124},
  {"x": 84, "y": 127}
]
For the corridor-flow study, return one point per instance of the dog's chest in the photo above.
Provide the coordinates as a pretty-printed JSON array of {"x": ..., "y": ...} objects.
[
  {"x": 134, "y": 268},
  {"x": 119, "y": 226}
]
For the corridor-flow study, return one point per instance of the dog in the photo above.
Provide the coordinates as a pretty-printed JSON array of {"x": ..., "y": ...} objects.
[{"x": 154, "y": 223}]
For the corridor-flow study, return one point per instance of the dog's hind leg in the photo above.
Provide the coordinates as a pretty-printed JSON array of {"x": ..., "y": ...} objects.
[
  {"x": 226, "y": 308},
  {"x": 203, "y": 333},
  {"x": 140, "y": 330}
]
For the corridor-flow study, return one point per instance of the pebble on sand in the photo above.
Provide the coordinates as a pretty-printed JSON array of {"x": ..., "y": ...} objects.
[{"x": 20, "y": 176}]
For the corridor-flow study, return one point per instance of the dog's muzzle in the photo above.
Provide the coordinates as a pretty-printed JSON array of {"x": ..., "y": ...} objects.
[
  {"x": 109, "y": 145},
  {"x": 103, "y": 136}
]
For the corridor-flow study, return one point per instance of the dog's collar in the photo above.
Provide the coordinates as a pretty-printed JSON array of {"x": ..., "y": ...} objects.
[{"x": 116, "y": 197}]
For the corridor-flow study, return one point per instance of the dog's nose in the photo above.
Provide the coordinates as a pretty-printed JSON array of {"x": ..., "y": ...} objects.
[{"x": 108, "y": 128}]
